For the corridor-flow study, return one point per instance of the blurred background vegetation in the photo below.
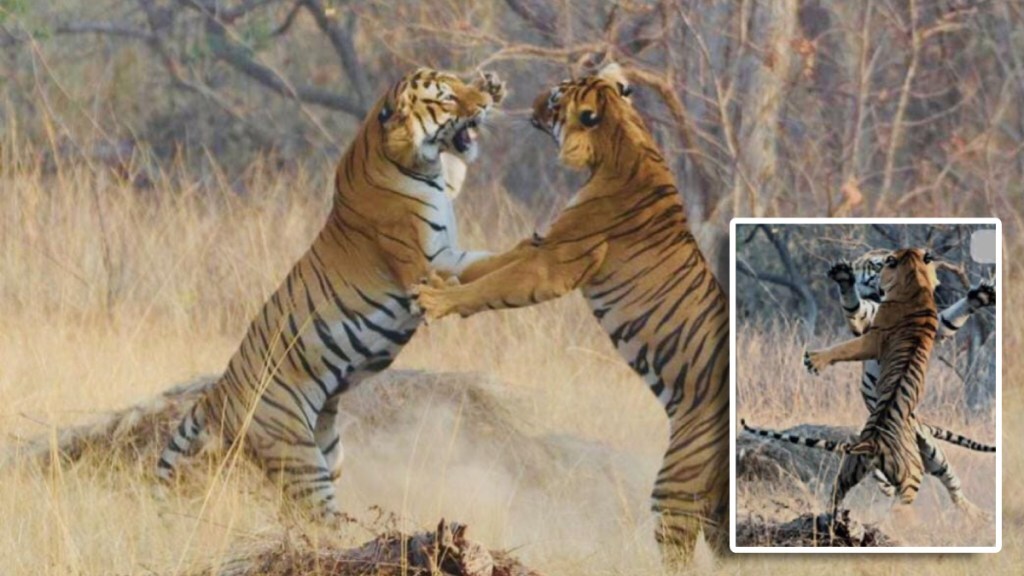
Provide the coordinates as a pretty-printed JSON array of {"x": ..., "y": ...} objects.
[
  {"x": 163, "y": 163},
  {"x": 769, "y": 107},
  {"x": 782, "y": 287}
]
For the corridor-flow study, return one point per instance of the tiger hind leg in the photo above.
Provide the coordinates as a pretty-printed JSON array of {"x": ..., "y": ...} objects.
[
  {"x": 677, "y": 538},
  {"x": 883, "y": 484},
  {"x": 297, "y": 465},
  {"x": 936, "y": 464},
  {"x": 852, "y": 470},
  {"x": 328, "y": 437},
  {"x": 691, "y": 493},
  {"x": 183, "y": 442},
  {"x": 683, "y": 514}
]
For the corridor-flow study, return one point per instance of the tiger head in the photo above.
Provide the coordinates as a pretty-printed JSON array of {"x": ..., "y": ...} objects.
[
  {"x": 582, "y": 115},
  {"x": 866, "y": 272},
  {"x": 907, "y": 271},
  {"x": 429, "y": 112}
]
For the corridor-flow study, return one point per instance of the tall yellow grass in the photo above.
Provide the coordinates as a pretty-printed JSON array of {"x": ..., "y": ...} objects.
[
  {"x": 775, "y": 391},
  {"x": 110, "y": 294}
]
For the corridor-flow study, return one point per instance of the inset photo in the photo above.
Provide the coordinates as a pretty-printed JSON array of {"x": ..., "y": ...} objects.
[{"x": 866, "y": 362}]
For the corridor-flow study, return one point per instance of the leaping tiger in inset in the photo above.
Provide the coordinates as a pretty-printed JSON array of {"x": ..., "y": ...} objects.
[
  {"x": 344, "y": 311},
  {"x": 860, "y": 295},
  {"x": 900, "y": 339},
  {"x": 624, "y": 241}
]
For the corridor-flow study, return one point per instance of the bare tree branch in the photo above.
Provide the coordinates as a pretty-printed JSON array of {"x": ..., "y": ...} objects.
[
  {"x": 901, "y": 108},
  {"x": 341, "y": 40},
  {"x": 538, "y": 15},
  {"x": 288, "y": 20},
  {"x": 105, "y": 28},
  {"x": 239, "y": 57},
  {"x": 799, "y": 286},
  {"x": 229, "y": 15}
]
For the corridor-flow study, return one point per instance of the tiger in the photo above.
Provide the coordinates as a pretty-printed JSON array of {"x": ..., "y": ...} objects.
[
  {"x": 900, "y": 339},
  {"x": 344, "y": 311},
  {"x": 624, "y": 241},
  {"x": 856, "y": 467},
  {"x": 842, "y": 448},
  {"x": 859, "y": 297}
]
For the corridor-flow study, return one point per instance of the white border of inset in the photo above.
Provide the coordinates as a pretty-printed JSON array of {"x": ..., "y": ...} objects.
[{"x": 999, "y": 390}]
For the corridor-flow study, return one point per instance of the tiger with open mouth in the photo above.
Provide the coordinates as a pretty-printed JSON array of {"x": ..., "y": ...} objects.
[{"x": 344, "y": 311}]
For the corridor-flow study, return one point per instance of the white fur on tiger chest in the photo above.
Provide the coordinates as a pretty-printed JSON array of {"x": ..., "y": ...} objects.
[{"x": 440, "y": 241}]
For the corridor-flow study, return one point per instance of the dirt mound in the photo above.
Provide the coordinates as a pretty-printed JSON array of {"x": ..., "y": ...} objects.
[
  {"x": 477, "y": 406},
  {"x": 137, "y": 431},
  {"x": 443, "y": 552},
  {"x": 810, "y": 530}
]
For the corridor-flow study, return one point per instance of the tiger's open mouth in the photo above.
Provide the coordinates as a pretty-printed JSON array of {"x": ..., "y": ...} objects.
[
  {"x": 465, "y": 137},
  {"x": 462, "y": 137}
]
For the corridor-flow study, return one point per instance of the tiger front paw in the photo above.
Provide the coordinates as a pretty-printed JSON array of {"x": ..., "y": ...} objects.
[
  {"x": 492, "y": 84},
  {"x": 431, "y": 301},
  {"x": 842, "y": 273},
  {"x": 440, "y": 281},
  {"x": 814, "y": 362},
  {"x": 982, "y": 296}
]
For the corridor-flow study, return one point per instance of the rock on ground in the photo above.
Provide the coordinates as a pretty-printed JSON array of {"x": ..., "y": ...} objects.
[{"x": 769, "y": 460}]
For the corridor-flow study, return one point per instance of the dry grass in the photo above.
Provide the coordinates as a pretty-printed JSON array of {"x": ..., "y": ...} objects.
[
  {"x": 774, "y": 391},
  {"x": 109, "y": 295}
]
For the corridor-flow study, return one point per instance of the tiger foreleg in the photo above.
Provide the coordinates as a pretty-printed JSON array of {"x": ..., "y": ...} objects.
[
  {"x": 857, "y": 312},
  {"x": 538, "y": 276},
  {"x": 481, "y": 263},
  {"x": 856, "y": 350}
]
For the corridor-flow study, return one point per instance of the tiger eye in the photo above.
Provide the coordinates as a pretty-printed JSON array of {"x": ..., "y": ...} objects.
[{"x": 588, "y": 118}]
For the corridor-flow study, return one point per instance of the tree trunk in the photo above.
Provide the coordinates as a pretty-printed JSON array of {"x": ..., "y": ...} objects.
[{"x": 764, "y": 74}]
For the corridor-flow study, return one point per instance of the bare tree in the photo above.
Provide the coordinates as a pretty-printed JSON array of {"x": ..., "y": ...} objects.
[{"x": 764, "y": 106}]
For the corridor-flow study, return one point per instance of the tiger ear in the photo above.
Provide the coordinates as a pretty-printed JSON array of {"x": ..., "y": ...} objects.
[
  {"x": 613, "y": 73},
  {"x": 928, "y": 258}
]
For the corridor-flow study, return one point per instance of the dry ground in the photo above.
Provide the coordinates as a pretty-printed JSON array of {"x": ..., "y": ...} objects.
[
  {"x": 109, "y": 295},
  {"x": 774, "y": 391}
]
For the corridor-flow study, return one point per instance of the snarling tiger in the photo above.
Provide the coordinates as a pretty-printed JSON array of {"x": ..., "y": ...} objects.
[
  {"x": 901, "y": 338},
  {"x": 344, "y": 310},
  {"x": 624, "y": 241}
]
